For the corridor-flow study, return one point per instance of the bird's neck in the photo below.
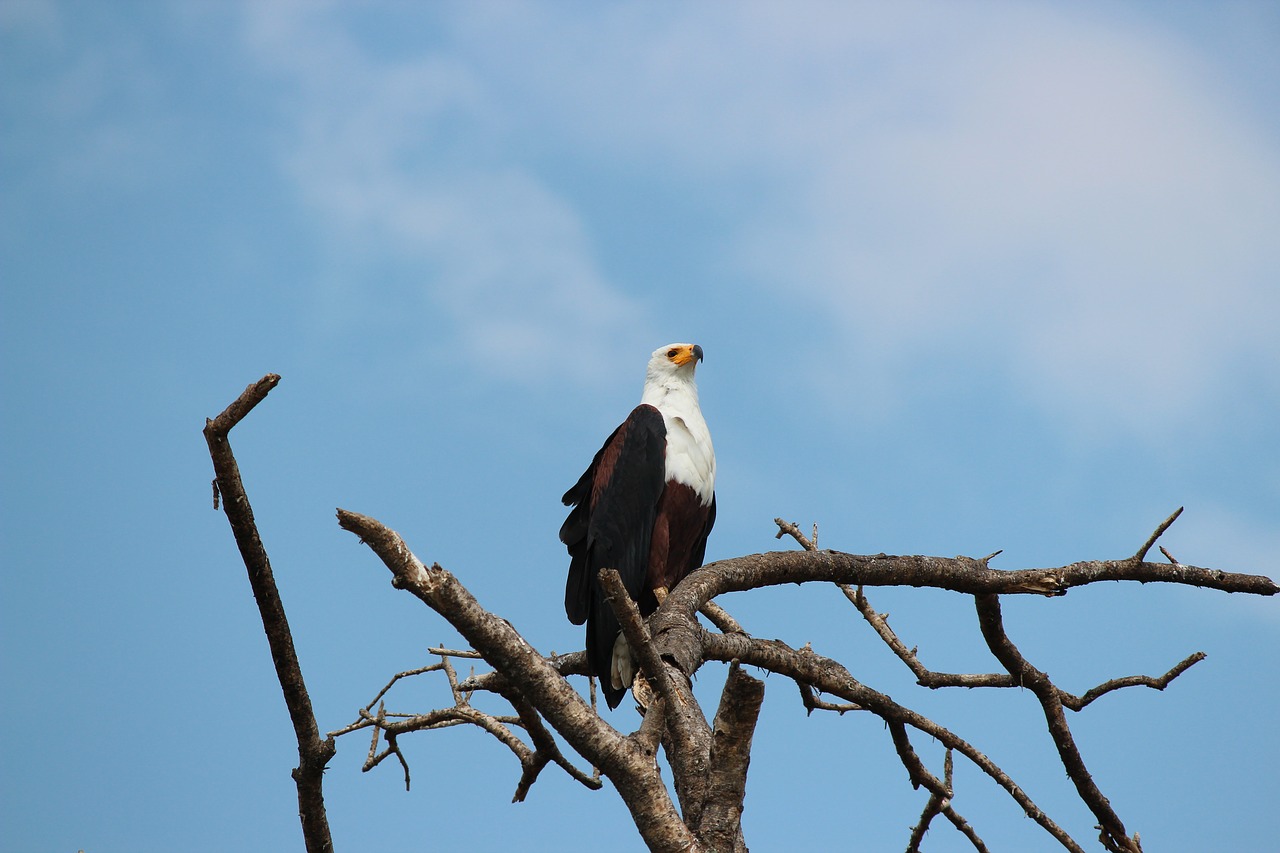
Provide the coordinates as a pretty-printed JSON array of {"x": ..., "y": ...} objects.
[{"x": 671, "y": 394}]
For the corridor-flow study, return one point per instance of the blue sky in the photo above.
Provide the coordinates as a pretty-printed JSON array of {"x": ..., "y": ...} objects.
[{"x": 968, "y": 277}]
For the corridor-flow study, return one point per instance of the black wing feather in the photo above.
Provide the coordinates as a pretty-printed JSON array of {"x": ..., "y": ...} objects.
[{"x": 610, "y": 526}]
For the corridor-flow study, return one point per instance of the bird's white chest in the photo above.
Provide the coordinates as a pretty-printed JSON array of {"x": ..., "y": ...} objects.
[{"x": 690, "y": 457}]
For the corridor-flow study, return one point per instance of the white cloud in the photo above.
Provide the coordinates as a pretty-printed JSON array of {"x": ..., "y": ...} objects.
[
  {"x": 1073, "y": 202},
  {"x": 82, "y": 115},
  {"x": 1076, "y": 204},
  {"x": 400, "y": 158}
]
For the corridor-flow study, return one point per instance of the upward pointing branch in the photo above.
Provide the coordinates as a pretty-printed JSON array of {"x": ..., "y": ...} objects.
[
  {"x": 1159, "y": 531},
  {"x": 313, "y": 753}
]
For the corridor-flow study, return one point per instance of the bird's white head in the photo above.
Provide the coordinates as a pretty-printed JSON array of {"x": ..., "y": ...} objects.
[
  {"x": 670, "y": 370},
  {"x": 674, "y": 360}
]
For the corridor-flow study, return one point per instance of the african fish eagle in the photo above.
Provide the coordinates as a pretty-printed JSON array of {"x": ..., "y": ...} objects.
[{"x": 644, "y": 507}]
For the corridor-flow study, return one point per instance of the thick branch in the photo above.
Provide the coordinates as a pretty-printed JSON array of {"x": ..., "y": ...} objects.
[
  {"x": 637, "y": 634},
  {"x": 687, "y": 737},
  {"x": 958, "y": 574},
  {"x": 541, "y": 684},
  {"x": 313, "y": 753},
  {"x": 734, "y": 726}
]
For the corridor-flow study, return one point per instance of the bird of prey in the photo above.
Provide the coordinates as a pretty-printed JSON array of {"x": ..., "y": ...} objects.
[{"x": 643, "y": 507}]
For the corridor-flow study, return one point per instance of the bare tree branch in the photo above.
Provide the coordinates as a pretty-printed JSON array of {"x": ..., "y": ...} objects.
[
  {"x": 618, "y": 758},
  {"x": 812, "y": 701},
  {"x": 934, "y": 680},
  {"x": 1159, "y": 531},
  {"x": 1113, "y": 834},
  {"x": 732, "y": 731},
  {"x": 790, "y": 528},
  {"x": 1076, "y": 703},
  {"x": 916, "y": 771},
  {"x": 637, "y": 634},
  {"x": 831, "y": 677},
  {"x": 957, "y": 574},
  {"x": 574, "y": 663},
  {"x": 941, "y": 805},
  {"x": 313, "y": 753},
  {"x": 880, "y": 623},
  {"x": 709, "y": 761},
  {"x": 934, "y": 806},
  {"x": 532, "y": 761},
  {"x": 924, "y": 676},
  {"x": 721, "y": 618},
  {"x": 687, "y": 738},
  {"x": 673, "y": 638}
]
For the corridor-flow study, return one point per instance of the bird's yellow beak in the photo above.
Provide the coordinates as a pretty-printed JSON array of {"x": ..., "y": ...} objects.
[{"x": 685, "y": 354}]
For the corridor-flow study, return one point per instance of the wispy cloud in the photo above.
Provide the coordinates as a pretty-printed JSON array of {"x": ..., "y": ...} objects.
[
  {"x": 1076, "y": 204},
  {"x": 402, "y": 157},
  {"x": 84, "y": 114}
]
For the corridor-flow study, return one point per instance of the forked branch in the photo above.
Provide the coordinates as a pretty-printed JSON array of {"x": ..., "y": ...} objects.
[
  {"x": 1113, "y": 834},
  {"x": 537, "y": 682}
]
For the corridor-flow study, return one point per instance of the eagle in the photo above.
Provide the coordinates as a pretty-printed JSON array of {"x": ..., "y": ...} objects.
[{"x": 643, "y": 507}]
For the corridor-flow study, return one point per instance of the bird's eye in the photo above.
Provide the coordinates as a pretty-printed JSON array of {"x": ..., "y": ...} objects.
[{"x": 671, "y": 353}]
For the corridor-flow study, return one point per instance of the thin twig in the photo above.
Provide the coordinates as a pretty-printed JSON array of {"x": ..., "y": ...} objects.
[
  {"x": 455, "y": 653},
  {"x": 721, "y": 618},
  {"x": 462, "y": 713},
  {"x": 813, "y": 702},
  {"x": 790, "y": 528},
  {"x": 924, "y": 676},
  {"x": 1159, "y": 531},
  {"x": 948, "y": 810},
  {"x": 1076, "y": 703}
]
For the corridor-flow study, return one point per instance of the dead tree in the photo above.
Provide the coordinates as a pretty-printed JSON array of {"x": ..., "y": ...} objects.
[{"x": 709, "y": 758}]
